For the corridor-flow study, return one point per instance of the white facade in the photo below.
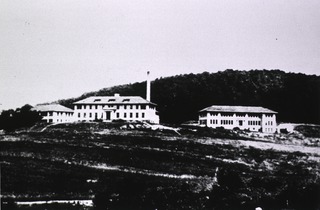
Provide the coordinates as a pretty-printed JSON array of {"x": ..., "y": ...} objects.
[
  {"x": 242, "y": 117},
  {"x": 108, "y": 108},
  {"x": 55, "y": 113}
]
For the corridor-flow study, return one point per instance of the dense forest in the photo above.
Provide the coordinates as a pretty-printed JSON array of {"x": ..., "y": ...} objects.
[{"x": 296, "y": 97}]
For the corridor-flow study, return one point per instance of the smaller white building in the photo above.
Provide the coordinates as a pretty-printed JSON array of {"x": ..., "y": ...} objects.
[
  {"x": 55, "y": 113},
  {"x": 243, "y": 117}
]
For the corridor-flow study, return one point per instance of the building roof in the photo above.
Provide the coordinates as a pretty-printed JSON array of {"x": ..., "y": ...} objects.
[
  {"x": 114, "y": 100},
  {"x": 52, "y": 108},
  {"x": 238, "y": 109}
]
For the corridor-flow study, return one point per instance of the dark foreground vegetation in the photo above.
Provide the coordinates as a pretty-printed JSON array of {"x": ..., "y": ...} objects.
[
  {"x": 23, "y": 117},
  {"x": 294, "y": 96},
  {"x": 144, "y": 169}
]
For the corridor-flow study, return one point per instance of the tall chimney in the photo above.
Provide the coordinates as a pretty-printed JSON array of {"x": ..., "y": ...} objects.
[{"x": 148, "y": 97}]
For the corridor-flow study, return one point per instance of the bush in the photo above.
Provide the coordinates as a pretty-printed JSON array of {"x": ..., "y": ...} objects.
[{"x": 309, "y": 130}]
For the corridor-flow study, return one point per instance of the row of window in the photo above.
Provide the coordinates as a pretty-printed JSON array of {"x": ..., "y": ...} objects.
[
  {"x": 230, "y": 122},
  {"x": 253, "y": 115},
  {"x": 90, "y": 115},
  {"x": 254, "y": 122},
  {"x": 68, "y": 114},
  {"x": 58, "y": 120},
  {"x": 231, "y": 115},
  {"x": 237, "y": 115},
  {"x": 130, "y": 115},
  {"x": 125, "y": 115},
  {"x": 214, "y": 122},
  {"x": 226, "y": 122},
  {"x": 226, "y": 115},
  {"x": 142, "y": 106}
]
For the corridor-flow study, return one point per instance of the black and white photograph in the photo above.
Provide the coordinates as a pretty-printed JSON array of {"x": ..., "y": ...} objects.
[{"x": 160, "y": 104}]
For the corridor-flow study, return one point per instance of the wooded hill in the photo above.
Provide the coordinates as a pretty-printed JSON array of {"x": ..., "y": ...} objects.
[{"x": 296, "y": 97}]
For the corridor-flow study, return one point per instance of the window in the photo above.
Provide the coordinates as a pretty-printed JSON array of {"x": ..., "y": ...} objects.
[
  {"x": 143, "y": 106},
  {"x": 84, "y": 115},
  {"x": 118, "y": 115},
  {"x": 131, "y": 115},
  {"x": 111, "y": 100},
  {"x": 137, "y": 115},
  {"x": 90, "y": 114},
  {"x": 125, "y": 106},
  {"x": 96, "y": 100},
  {"x": 124, "y": 115},
  {"x": 126, "y": 100},
  {"x": 142, "y": 115},
  {"x": 118, "y": 107},
  {"x": 79, "y": 115}
]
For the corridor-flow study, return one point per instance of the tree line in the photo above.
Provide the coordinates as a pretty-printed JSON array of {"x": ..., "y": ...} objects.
[
  {"x": 21, "y": 117},
  {"x": 296, "y": 97}
]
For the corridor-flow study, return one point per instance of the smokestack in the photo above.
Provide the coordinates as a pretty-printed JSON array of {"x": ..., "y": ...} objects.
[{"x": 148, "y": 96}]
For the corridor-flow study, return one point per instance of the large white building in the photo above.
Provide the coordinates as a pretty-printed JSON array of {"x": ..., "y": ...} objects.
[
  {"x": 244, "y": 117},
  {"x": 108, "y": 108},
  {"x": 54, "y": 113}
]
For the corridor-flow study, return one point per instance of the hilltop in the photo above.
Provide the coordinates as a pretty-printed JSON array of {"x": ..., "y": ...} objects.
[{"x": 295, "y": 96}]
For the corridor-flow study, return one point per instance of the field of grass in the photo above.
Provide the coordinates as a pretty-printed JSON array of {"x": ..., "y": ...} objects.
[{"x": 145, "y": 169}]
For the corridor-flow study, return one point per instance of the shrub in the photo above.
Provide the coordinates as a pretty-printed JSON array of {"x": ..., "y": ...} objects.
[{"x": 309, "y": 130}]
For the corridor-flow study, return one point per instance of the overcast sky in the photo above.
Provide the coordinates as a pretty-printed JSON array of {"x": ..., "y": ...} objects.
[{"x": 57, "y": 49}]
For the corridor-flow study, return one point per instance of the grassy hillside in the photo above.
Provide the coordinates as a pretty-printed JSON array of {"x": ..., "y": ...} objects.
[
  {"x": 295, "y": 96},
  {"x": 144, "y": 169}
]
